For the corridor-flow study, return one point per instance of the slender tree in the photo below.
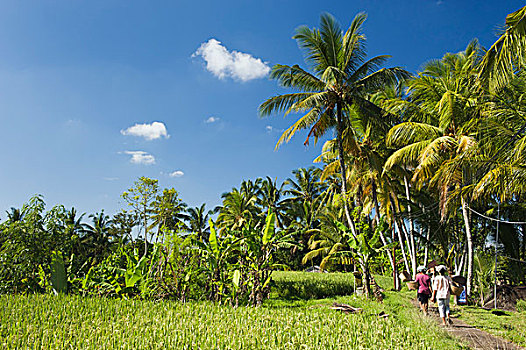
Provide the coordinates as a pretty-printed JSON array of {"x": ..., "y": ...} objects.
[{"x": 340, "y": 80}]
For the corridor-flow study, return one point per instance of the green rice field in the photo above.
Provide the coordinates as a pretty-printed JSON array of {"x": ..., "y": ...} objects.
[{"x": 75, "y": 322}]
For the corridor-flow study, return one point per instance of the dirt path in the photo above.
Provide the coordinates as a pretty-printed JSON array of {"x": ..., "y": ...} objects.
[{"x": 471, "y": 336}]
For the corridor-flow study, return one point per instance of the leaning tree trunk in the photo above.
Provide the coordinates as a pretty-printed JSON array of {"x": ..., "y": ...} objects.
[
  {"x": 377, "y": 217},
  {"x": 343, "y": 173},
  {"x": 469, "y": 240},
  {"x": 426, "y": 248},
  {"x": 396, "y": 279},
  {"x": 411, "y": 229},
  {"x": 400, "y": 239}
]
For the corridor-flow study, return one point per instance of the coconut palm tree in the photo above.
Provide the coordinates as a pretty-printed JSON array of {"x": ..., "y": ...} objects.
[
  {"x": 336, "y": 87},
  {"x": 237, "y": 209},
  {"x": 270, "y": 197},
  {"x": 508, "y": 54},
  {"x": 306, "y": 185},
  {"x": 168, "y": 212},
  {"x": 197, "y": 220},
  {"x": 438, "y": 140},
  {"x": 97, "y": 236}
]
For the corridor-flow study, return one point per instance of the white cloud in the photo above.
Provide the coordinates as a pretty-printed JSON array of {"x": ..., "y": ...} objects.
[
  {"x": 212, "y": 120},
  {"x": 150, "y": 132},
  {"x": 141, "y": 157},
  {"x": 110, "y": 178},
  {"x": 177, "y": 173},
  {"x": 271, "y": 129},
  {"x": 237, "y": 65}
]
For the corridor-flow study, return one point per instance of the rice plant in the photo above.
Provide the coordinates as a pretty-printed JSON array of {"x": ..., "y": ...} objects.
[{"x": 74, "y": 322}]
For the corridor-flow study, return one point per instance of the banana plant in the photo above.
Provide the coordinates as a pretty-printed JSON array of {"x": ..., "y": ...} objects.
[
  {"x": 215, "y": 262},
  {"x": 58, "y": 280},
  {"x": 259, "y": 246}
]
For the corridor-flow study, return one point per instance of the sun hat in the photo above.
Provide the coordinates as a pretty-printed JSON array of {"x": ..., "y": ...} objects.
[
  {"x": 421, "y": 269},
  {"x": 441, "y": 268}
]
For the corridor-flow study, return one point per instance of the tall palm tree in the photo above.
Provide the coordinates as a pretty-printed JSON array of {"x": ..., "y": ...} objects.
[
  {"x": 270, "y": 198},
  {"x": 97, "y": 236},
  {"x": 237, "y": 209},
  {"x": 15, "y": 215},
  {"x": 168, "y": 212},
  {"x": 305, "y": 186},
  {"x": 508, "y": 54},
  {"x": 197, "y": 220},
  {"x": 439, "y": 140},
  {"x": 336, "y": 88}
]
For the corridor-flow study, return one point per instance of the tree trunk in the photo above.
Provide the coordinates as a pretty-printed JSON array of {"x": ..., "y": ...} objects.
[
  {"x": 377, "y": 217},
  {"x": 411, "y": 228},
  {"x": 145, "y": 232},
  {"x": 426, "y": 248},
  {"x": 366, "y": 279},
  {"x": 470, "y": 247},
  {"x": 402, "y": 245},
  {"x": 400, "y": 239},
  {"x": 343, "y": 173},
  {"x": 396, "y": 280},
  {"x": 523, "y": 242}
]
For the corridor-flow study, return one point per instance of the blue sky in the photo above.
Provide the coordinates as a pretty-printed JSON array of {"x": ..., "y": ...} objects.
[{"x": 82, "y": 82}]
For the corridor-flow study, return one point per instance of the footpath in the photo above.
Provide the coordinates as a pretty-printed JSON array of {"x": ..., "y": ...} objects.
[{"x": 471, "y": 336}]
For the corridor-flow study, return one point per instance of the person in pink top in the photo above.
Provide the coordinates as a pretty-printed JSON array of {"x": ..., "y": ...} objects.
[{"x": 424, "y": 288}]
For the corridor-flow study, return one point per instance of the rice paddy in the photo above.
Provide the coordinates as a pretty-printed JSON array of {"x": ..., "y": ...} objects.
[{"x": 75, "y": 322}]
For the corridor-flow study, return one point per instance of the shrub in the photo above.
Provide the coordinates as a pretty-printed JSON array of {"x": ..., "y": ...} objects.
[{"x": 521, "y": 306}]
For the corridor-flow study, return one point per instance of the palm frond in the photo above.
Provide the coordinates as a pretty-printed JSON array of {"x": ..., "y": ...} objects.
[
  {"x": 407, "y": 133},
  {"x": 507, "y": 54}
]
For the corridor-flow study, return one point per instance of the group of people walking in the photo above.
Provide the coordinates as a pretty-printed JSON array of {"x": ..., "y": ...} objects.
[{"x": 436, "y": 288}]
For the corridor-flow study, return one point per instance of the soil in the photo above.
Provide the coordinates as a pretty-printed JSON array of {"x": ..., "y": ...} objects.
[
  {"x": 507, "y": 297},
  {"x": 471, "y": 336}
]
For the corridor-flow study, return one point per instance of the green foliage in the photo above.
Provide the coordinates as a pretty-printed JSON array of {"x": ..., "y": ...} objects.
[
  {"x": 140, "y": 198},
  {"x": 521, "y": 306},
  {"x": 58, "y": 279}
]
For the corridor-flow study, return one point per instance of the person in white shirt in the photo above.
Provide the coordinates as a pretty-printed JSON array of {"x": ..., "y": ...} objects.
[{"x": 441, "y": 294}]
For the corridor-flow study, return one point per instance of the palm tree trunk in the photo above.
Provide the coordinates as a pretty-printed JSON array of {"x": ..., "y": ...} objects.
[
  {"x": 396, "y": 279},
  {"x": 377, "y": 217},
  {"x": 343, "y": 172},
  {"x": 470, "y": 246},
  {"x": 411, "y": 228},
  {"x": 402, "y": 245},
  {"x": 409, "y": 250},
  {"x": 400, "y": 239},
  {"x": 426, "y": 247}
]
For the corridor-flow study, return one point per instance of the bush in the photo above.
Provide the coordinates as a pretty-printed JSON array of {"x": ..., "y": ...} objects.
[{"x": 521, "y": 306}]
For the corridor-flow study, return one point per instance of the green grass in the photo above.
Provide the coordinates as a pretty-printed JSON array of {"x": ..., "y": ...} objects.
[
  {"x": 511, "y": 326},
  {"x": 311, "y": 285},
  {"x": 61, "y": 322}
]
